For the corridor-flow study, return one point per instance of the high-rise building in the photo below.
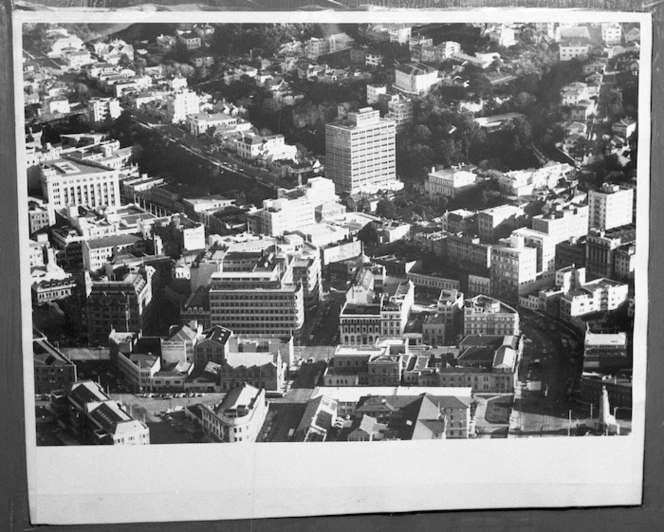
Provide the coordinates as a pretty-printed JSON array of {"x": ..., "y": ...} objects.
[
  {"x": 360, "y": 152},
  {"x": 255, "y": 293},
  {"x": 611, "y": 206}
]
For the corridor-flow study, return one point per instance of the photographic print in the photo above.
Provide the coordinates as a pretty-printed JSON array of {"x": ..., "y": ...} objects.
[{"x": 337, "y": 232}]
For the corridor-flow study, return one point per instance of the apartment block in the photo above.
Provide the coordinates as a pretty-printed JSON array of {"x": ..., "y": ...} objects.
[
  {"x": 611, "y": 206},
  {"x": 181, "y": 104},
  {"x": 360, "y": 153},
  {"x": 101, "y": 110}
]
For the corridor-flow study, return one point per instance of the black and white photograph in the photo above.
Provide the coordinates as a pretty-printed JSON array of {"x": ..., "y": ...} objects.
[{"x": 368, "y": 234}]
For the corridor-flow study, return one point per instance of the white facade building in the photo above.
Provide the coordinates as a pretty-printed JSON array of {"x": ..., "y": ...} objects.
[
  {"x": 239, "y": 417},
  {"x": 67, "y": 182},
  {"x": 611, "y": 206},
  {"x": 448, "y": 181},
  {"x": 414, "y": 78},
  {"x": 102, "y": 109},
  {"x": 361, "y": 152},
  {"x": 181, "y": 104}
]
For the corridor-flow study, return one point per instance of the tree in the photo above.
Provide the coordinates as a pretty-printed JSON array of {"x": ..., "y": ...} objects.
[
  {"x": 368, "y": 234},
  {"x": 386, "y": 209}
]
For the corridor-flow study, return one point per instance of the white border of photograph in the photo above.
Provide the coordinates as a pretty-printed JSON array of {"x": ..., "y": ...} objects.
[{"x": 77, "y": 485}]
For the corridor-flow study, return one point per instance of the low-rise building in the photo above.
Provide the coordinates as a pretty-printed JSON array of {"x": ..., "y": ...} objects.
[
  {"x": 483, "y": 315},
  {"x": 385, "y": 316},
  {"x": 122, "y": 303},
  {"x": 499, "y": 222},
  {"x": 94, "y": 417},
  {"x": 619, "y": 389},
  {"x": 200, "y": 123},
  {"x": 178, "y": 345},
  {"x": 624, "y": 128},
  {"x": 563, "y": 223},
  {"x": 573, "y": 50},
  {"x": 601, "y": 295},
  {"x": 610, "y": 253},
  {"x": 265, "y": 371},
  {"x": 467, "y": 250},
  {"x": 238, "y": 418},
  {"x": 138, "y": 370},
  {"x": 449, "y": 181},
  {"x": 265, "y": 148},
  {"x": 605, "y": 353},
  {"x": 414, "y": 78},
  {"x": 318, "y": 419},
  {"x": 212, "y": 345},
  {"x": 52, "y": 369},
  {"x": 98, "y": 251}
]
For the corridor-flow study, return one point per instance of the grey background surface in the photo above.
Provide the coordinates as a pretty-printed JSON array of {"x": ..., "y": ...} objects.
[{"x": 13, "y": 481}]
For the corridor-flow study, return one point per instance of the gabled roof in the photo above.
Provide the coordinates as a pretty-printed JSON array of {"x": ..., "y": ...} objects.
[
  {"x": 84, "y": 392},
  {"x": 422, "y": 409},
  {"x": 366, "y": 425},
  {"x": 184, "y": 333},
  {"x": 244, "y": 395},
  {"x": 217, "y": 334}
]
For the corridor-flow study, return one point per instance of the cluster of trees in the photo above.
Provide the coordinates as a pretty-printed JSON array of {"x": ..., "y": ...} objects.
[
  {"x": 259, "y": 39},
  {"x": 440, "y": 135},
  {"x": 157, "y": 156},
  {"x": 449, "y": 136}
]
